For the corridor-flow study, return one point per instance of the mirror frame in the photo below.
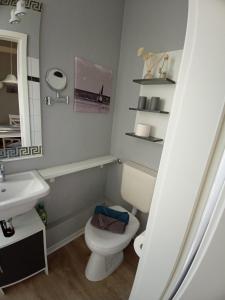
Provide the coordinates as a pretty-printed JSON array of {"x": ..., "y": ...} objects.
[{"x": 21, "y": 40}]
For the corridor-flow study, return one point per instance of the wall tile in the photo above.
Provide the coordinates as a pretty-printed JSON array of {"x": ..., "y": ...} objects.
[
  {"x": 36, "y": 108},
  {"x": 29, "y": 66},
  {"x": 30, "y": 89},
  {"x": 35, "y": 68},
  {"x": 36, "y": 90}
]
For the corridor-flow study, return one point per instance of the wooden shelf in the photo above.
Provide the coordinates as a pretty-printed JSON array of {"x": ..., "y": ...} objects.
[
  {"x": 150, "y": 111},
  {"x": 154, "y": 81},
  {"x": 149, "y": 139}
]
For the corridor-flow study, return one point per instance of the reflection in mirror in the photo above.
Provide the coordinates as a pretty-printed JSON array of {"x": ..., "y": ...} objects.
[
  {"x": 20, "y": 111},
  {"x": 15, "y": 119},
  {"x": 10, "y": 134}
]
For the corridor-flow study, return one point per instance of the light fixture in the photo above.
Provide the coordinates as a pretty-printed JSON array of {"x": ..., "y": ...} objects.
[
  {"x": 10, "y": 78},
  {"x": 20, "y": 8},
  {"x": 14, "y": 19}
]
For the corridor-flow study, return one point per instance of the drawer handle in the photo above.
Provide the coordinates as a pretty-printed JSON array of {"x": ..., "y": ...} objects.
[{"x": 1, "y": 270}]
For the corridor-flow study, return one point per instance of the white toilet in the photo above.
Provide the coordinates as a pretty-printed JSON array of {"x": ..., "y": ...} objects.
[{"x": 137, "y": 188}]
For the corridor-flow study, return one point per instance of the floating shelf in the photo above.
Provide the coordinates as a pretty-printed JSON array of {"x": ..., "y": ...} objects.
[
  {"x": 150, "y": 111},
  {"x": 149, "y": 139},
  {"x": 62, "y": 170},
  {"x": 154, "y": 81}
]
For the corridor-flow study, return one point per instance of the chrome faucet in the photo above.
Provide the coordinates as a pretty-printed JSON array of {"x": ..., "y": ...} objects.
[{"x": 2, "y": 172}]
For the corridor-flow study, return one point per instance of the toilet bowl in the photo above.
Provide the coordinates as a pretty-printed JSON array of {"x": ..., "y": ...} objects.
[
  {"x": 137, "y": 188},
  {"x": 107, "y": 247}
]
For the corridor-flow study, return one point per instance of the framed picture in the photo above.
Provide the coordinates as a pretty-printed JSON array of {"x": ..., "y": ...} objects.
[{"x": 93, "y": 87}]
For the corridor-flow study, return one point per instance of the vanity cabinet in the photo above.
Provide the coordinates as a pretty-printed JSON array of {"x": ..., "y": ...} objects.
[{"x": 24, "y": 254}]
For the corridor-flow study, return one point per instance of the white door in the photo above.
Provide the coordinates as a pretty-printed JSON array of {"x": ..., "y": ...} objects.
[{"x": 196, "y": 118}]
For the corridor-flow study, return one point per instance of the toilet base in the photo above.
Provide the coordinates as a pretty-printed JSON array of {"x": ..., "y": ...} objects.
[{"x": 99, "y": 267}]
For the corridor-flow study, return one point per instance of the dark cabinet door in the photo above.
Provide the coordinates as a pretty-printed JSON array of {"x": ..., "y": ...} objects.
[{"x": 22, "y": 259}]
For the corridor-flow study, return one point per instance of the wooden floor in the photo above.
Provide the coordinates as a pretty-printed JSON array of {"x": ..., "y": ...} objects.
[{"x": 66, "y": 280}]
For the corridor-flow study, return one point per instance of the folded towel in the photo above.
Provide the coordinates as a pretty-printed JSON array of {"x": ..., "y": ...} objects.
[
  {"x": 103, "y": 222},
  {"x": 115, "y": 214}
]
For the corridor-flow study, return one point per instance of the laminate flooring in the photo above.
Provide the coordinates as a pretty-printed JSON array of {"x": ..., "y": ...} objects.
[{"x": 66, "y": 280}]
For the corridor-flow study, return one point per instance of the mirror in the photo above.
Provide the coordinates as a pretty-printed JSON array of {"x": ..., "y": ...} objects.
[
  {"x": 20, "y": 109},
  {"x": 56, "y": 79},
  {"x": 10, "y": 133}
]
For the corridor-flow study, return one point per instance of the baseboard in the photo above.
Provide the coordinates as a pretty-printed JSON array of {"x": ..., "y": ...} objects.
[{"x": 65, "y": 241}]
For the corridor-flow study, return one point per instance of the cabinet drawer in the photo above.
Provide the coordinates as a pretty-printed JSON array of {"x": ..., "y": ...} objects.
[{"x": 22, "y": 259}]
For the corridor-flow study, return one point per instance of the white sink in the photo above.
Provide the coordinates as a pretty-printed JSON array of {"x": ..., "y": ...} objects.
[{"x": 20, "y": 192}]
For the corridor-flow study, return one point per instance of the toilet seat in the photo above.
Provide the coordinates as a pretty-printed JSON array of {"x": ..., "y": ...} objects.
[{"x": 105, "y": 242}]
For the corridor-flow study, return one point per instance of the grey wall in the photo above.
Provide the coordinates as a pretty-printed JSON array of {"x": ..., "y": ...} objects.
[
  {"x": 29, "y": 25},
  {"x": 75, "y": 28},
  {"x": 72, "y": 201},
  {"x": 91, "y": 29},
  {"x": 157, "y": 26}
]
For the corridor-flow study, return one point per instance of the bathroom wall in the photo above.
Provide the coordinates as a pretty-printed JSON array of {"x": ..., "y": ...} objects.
[
  {"x": 68, "y": 29},
  {"x": 157, "y": 26},
  {"x": 91, "y": 29},
  {"x": 30, "y": 25}
]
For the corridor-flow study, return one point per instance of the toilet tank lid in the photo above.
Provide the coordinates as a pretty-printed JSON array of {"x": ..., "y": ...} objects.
[{"x": 142, "y": 168}]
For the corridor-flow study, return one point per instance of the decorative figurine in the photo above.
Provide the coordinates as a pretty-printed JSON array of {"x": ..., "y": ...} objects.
[
  {"x": 151, "y": 61},
  {"x": 148, "y": 60},
  {"x": 164, "y": 67}
]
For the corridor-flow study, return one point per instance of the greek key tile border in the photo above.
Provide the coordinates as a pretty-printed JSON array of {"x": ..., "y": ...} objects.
[
  {"x": 30, "y": 4},
  {"x": 20, "y": 152}
]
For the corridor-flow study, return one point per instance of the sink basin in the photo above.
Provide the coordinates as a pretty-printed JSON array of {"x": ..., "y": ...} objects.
[{"x": 20, "y": 193}]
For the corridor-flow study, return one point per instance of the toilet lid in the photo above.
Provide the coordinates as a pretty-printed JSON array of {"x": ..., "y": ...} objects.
[{"x": 108, "y": 240}]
